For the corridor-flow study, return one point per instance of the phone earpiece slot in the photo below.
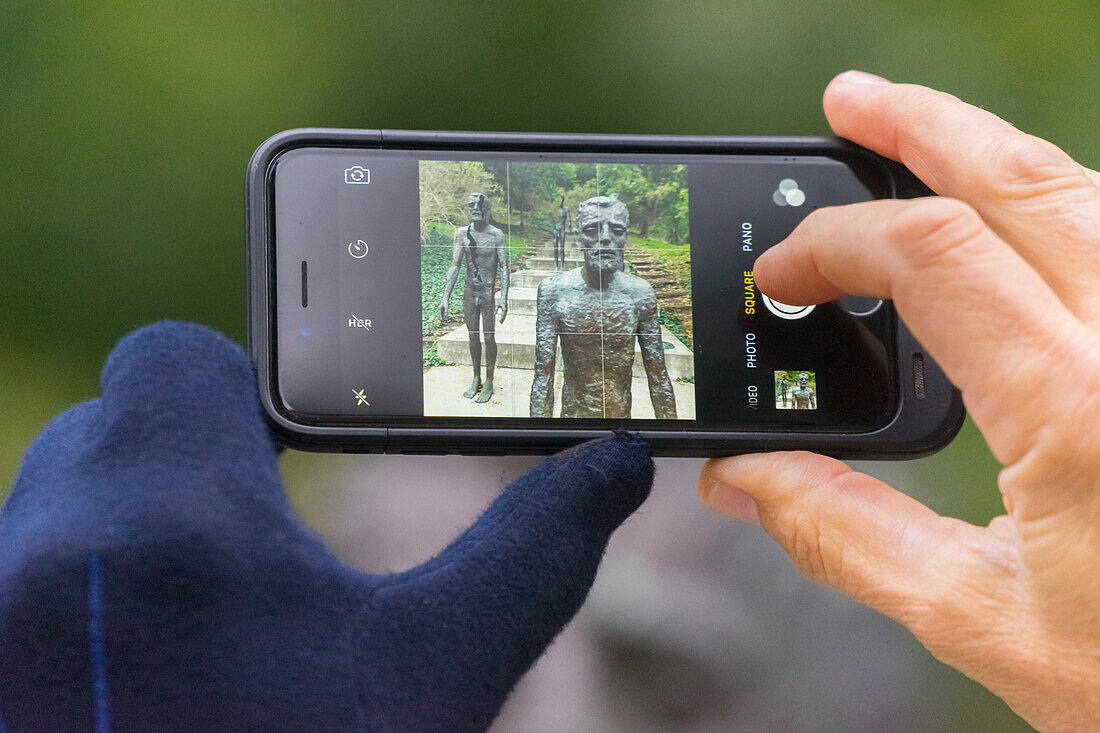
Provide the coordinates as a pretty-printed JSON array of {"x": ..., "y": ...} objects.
[{"x": 305, "y": 287}]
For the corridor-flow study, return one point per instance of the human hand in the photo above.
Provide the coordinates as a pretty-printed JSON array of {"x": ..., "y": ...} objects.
[
  {"x": 442, "y": 312},
  {"x": 154, "y": 577},
  {"x": 503, "y": 309},
  {"x": 998, "y": 279}
]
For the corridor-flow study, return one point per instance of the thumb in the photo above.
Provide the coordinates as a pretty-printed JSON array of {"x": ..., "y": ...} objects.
[
  {"x": 456, "y": 633},
  {"x": 849, "y": 531},
  {"x": 183, "y": 384},
  {"x": 179, "y": 400}
]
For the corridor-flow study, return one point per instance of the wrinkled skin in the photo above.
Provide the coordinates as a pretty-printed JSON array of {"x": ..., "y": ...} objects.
[{"x": 998, "y": 278}]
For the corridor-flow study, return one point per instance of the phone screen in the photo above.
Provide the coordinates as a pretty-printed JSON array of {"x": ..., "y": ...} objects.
[{"x": 436, "y": 288}]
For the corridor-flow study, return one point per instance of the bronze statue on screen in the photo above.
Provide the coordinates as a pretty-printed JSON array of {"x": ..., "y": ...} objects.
[
  {"x": 803, "y": 395},
  {"x": 597, "y": 312},
  {"x": 561, "y": 226},
  {"x": 485, "y": 251}
]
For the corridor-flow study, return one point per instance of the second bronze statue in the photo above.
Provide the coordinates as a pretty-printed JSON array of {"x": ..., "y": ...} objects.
[{"x": 483, "y": 247}]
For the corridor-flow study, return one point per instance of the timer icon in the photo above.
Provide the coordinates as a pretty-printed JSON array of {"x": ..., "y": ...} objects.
[{"x": 357, "y": 249}]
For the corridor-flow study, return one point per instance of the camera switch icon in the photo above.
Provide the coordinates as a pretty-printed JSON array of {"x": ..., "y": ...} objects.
[{"x": 357, "y": 174}]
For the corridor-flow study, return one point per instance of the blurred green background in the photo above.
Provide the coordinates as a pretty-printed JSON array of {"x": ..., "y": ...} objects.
[{"x": 125, "y": 128}]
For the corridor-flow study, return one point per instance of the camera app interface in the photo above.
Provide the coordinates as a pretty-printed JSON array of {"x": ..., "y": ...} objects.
[{"x": 585, "y": 287}]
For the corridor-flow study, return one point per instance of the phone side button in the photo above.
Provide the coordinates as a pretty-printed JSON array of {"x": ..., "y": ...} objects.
[
  {"x": 424, "y": 452},
  {"x": 482, "y": 453}
]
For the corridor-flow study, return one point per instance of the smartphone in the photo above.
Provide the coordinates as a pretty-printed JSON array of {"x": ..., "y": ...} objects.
[{"x": 496, "y": 293}]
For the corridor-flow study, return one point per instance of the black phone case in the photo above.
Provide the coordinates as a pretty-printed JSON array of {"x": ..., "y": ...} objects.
[{"x": 920, "y": 426}]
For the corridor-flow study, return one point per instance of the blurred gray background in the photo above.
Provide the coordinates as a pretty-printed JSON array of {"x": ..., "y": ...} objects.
[{"x": 125, "y": 128}]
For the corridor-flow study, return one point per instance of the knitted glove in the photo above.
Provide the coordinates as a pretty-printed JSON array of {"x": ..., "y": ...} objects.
[{"x": 154, "y": 578}]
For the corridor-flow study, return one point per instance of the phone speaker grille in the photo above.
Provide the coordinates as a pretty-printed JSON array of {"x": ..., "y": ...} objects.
[
  {"x": 918, "y": 375},
  {"x": 305, "y": 286}
]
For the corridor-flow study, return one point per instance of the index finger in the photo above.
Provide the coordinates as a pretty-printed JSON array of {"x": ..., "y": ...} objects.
[
  {"x": 986, "y": 317},
  {"x": 1032, "y": 194}
]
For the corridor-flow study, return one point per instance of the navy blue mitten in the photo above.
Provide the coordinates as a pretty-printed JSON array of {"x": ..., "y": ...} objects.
[{"x": 154, "y": 577}]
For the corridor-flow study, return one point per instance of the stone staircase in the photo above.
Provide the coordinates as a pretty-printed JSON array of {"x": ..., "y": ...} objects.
[
  {"x": 541, "y": 266},
  {"x": 516, "y": 336}
]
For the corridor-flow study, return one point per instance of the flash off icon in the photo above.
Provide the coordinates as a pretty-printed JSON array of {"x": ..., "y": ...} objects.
[{"x": 789, "y": 194}]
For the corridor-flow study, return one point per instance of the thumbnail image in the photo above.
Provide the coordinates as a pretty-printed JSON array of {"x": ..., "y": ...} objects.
[{"x": 795, "y": 390}]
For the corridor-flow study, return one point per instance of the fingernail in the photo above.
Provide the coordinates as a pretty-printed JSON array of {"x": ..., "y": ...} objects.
[
  {"x": 861, "y": 77},
  {"x": 732, "y": 502}
]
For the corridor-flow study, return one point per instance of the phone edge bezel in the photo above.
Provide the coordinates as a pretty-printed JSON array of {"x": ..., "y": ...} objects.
[{"x": 907, "y": 435}]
